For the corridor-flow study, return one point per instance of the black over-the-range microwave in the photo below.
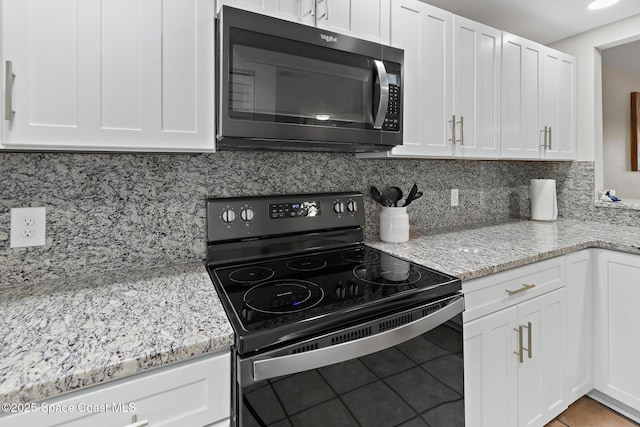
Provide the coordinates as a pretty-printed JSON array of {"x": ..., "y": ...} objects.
[{"x": 288, "y": 86}]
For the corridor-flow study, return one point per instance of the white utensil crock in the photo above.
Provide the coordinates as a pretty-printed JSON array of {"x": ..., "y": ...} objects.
[{"x": 394, "y": 224}]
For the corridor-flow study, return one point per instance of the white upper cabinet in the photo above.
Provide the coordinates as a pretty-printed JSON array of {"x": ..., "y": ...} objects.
[
  {"x": 521, "y": 98},
  {"x": 121, "y": 75},
  {"x": 538, "y": 101},
  {"x": 366, "y": 19},
  {"x": 559, "y": 105},
  {"x": 476, "y": 103},
  {"x": 425, "y": 34},
  {"x": 302, "y": 11},
  {"x": 451, "y": 83}
]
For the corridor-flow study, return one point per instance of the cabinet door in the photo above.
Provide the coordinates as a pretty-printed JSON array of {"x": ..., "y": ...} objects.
[
  {"x": 476, "y": 68},
  {"x": 541, "y": 393},
  {"x": 358, "y": 18},
  {"x": 490, "y": 370},
  {"x": 117, "y": 75},
  {"x": 425, "y": 34},
  {"x": 188, "y": 394},
  {"x": 616, "y": 338},
  {"x": 579, "y": 349},
  {"x": 301, "y": 11},
  {"x": 559, "y": 105},
  {"x": 522, "y": 134}
]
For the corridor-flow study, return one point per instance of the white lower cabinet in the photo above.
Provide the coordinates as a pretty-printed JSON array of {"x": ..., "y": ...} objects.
[
  {"x": 514, "y": 354},
  {"x": 616, "y": 333},
  {"x": 579, "y": 348},
  {"x": 195, "y": 393}
]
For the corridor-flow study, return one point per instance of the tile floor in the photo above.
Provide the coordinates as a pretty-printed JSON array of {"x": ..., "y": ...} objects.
[
  {"x": 587, "y": 412},
  {"x": 418, "y": 383}
]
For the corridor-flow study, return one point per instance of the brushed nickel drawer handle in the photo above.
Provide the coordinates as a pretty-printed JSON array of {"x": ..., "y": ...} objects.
[{"x": 524, "y": 287}]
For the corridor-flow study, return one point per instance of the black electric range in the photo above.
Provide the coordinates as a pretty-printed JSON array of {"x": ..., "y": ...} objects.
[{"x": 293, "y": 266}]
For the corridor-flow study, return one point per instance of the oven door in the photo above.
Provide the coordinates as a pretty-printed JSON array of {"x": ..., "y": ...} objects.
[
  {"x": 404, "y": 367},
  {"x": 283, "y": 81}
]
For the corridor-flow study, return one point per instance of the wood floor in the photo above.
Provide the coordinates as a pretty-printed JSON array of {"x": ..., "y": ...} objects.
[{"x": 587, "y": 412}]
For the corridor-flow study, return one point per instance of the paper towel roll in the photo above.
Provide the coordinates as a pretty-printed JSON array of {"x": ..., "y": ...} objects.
[{"x": 544, "y": 206}]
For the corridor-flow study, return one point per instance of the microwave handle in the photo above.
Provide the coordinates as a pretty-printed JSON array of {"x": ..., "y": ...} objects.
[{"x": 381, "y": 113}]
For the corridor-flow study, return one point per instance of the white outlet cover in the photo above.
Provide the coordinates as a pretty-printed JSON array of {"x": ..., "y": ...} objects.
[{"x": 37, "y": 231}]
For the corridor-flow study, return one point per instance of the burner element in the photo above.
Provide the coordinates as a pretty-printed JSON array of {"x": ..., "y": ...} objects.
[
  {"x": 360, "y": 255},
  {"x": 251, "y": 275},
  {"x": 283, "y": 296},
  {"x": 307, "y": 264},
  {"x": 389, "y": 271}
]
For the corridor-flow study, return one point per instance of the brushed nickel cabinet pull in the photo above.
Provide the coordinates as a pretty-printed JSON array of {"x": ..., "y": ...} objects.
[
  {"x": 311, "y": 11},
  {"x": 136, "y": 423},
  {"x": 524, "y": 287},
  {"x": 529, "y": 340},
  {"x": 453, "y": 129},
  {"x": 520, "y": 352},
  {"x": 549, "y": 148},
  {"x": 8, "y": 87},
  {"x": 461, "y": 123},
  {"x": 325, "y": 15},
  {"x": 521, "y": 347}
]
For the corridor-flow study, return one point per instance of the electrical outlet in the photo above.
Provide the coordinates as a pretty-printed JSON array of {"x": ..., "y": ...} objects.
[
  {"x": 454, "y": 197},
  {"x": 28, "y": 227}
]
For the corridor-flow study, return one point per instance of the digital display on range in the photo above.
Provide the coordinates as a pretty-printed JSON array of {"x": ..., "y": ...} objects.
[{"x": 294, "y": 209}]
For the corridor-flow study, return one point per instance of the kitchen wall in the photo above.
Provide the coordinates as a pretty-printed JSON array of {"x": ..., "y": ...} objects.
[
  {"x": 617, "y": 86},
  {"x": 121, "y": 211}
]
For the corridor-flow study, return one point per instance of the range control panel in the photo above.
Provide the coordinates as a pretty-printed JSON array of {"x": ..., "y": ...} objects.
[{"x": 232, "y": 218}]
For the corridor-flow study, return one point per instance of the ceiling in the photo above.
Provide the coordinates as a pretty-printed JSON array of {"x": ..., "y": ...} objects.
[{"x": 543, "y": 21}]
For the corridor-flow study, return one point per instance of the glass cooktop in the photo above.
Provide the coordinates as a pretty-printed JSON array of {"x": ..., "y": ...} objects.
[{"x": 278, "y": 300}]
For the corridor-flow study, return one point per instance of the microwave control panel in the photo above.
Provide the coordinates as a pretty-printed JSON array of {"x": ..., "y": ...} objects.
[{"x": 392, "y": 119}]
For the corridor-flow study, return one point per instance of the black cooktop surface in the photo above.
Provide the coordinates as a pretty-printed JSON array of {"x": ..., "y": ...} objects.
[{"x": 284, "y": 299}]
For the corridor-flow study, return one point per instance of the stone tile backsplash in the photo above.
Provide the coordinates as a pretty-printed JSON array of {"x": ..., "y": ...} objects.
[{"x": 117, "y": 211}]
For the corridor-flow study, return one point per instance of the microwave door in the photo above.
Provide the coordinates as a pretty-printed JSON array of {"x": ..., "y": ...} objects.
[{"x": 382, "y": 93}]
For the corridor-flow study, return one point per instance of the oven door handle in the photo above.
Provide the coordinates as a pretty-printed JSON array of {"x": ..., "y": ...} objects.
[
  {"x": 383, "y": 103},
  {"x": 292, "y": 363}
]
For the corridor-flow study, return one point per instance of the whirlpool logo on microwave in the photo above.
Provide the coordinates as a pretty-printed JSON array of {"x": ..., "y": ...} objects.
[{"x": 329, "y": 38}]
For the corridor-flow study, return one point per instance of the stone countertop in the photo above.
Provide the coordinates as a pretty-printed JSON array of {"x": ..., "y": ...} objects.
[
  {"x": 62, "y": 336},
  {"x": 58, "y": 337},
  {"x": 469, "y": 253}
]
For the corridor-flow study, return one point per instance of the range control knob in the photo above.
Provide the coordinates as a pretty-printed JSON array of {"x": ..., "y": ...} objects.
[
  {"x": 352, "y": 206},
  {"x": 338, "y": 207},
  {"x": 228, "y": 216},
  {"x": 246, "y": 214}
]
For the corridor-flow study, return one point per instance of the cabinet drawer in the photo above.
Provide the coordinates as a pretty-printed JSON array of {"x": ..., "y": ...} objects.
[
  {"x": 194, "y": 393},
  {"x": 497, "y": 291}
]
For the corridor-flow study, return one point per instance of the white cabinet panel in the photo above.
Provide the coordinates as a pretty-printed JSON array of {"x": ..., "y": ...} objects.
[
  {"x": 521, "y": 97},
  {"x": 117, "y": 75},
  {"x": 180, "y": 72},
  {"x": 476, "y": 67},
  {"x": 501, "y": 388},
  {"x": 358, "y": 18},
  {"x": 541, "y": 393},
  {"x": 120, "y": 64},
  {"x": 491, "y": 369},
  {"x": 425, "y": 34},
  {"x": 559, "y": 109},
  {"x": 579, "y": 348},
  {"x": 194, "y": 393},
  {"x": 538, "y": 101},
  {"x": 617, "y": 342}
]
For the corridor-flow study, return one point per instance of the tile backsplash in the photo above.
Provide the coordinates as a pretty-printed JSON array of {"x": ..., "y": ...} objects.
[{"x": 119, "y": 211}]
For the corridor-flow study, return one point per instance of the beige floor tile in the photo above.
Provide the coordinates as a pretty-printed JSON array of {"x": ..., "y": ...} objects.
[
  {"x": 555, "y": 423},
  {"x": 589, "y": 413}
]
